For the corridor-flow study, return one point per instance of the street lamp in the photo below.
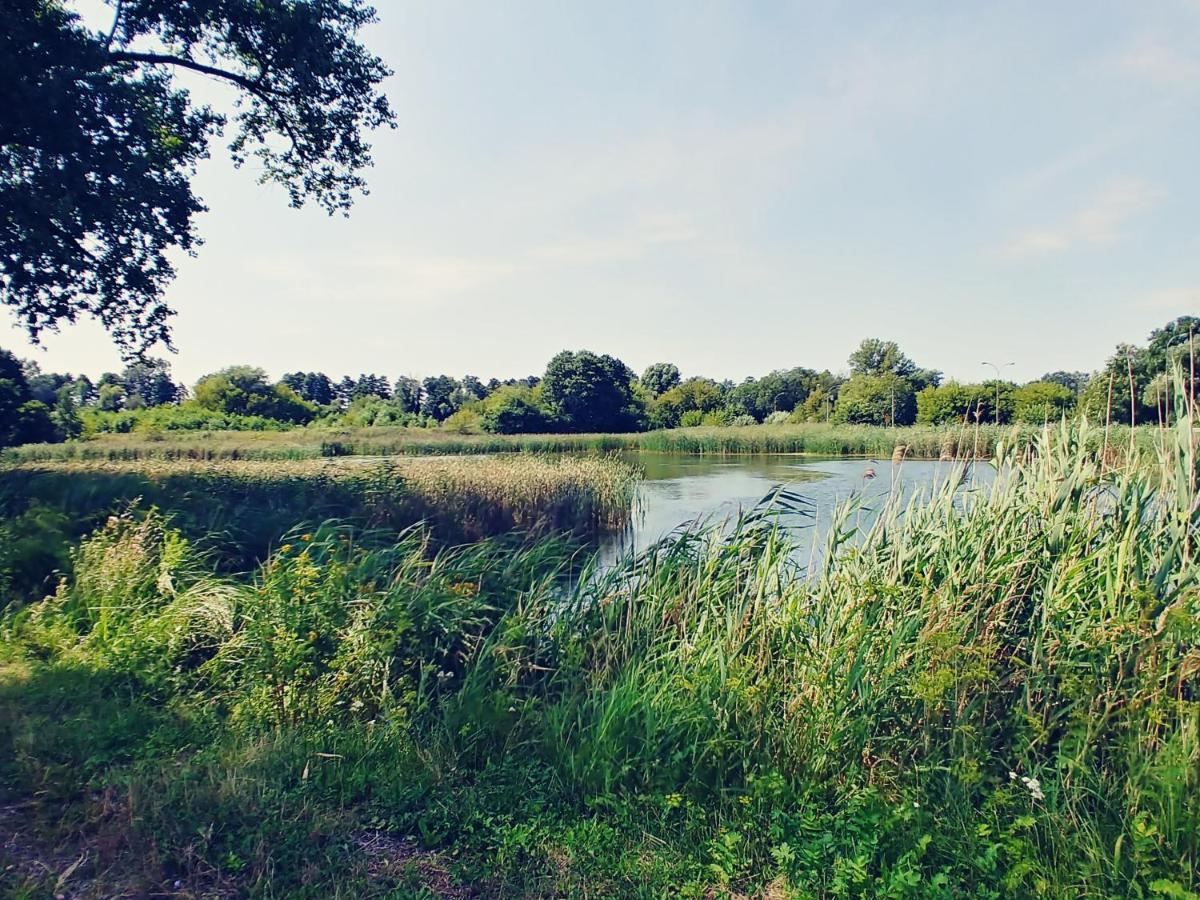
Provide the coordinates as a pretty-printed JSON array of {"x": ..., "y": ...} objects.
[{"x": 997, "y": 368}]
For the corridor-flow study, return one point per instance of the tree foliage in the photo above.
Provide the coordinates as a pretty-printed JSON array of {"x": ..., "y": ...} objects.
[
  {"x": 660, "y": 378},
  {"x": 696, "y": 395},
  {"x": 878, "y": 357},
  {"x": 589, "y": 392},
  {"x": 99, "y": 142},
  {"x": 514, "y": 409},
  {"x": 441, "y": 397},
  {"x": 245, "y": 391},
  {"x": 1042, "y": 401},
  {"x": 23, "y": 420},
  {"x": 876, "y": 400}
]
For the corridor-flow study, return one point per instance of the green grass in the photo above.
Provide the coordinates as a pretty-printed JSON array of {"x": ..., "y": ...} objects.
[
  {"x": 988, "y": 695},
  {"x": 929, "y": 442}
]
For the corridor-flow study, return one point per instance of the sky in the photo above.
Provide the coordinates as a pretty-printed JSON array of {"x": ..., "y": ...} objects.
[{"x": 732, "y": 187}]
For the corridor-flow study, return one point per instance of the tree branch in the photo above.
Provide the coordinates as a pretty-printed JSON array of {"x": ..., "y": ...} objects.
[
  {"x": 265, "y": 94},
  {"x": 116, "y": 24},
  {"x": 165, "y": 59}
]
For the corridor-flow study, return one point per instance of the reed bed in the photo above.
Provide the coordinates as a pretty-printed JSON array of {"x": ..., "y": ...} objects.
[
  {"x": 311, "y": 443},
  {"x": 980, "y": 694},
  {"x": 926, "y": 442},
  {"x": 242, "y": 508}
]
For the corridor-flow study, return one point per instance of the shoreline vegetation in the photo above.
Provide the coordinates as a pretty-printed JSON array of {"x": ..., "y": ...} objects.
[
  {"x": 241, "y": 510},
  {"x": 913, "y": 442},
  {"x": 983, "y": 695},
  {"x": 583, "y": 401}
]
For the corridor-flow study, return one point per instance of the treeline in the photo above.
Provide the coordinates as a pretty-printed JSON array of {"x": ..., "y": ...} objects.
[{"x": 588, "y": 392}]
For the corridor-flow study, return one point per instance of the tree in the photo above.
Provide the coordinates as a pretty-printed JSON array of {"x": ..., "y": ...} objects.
[
  {"x": 99, "y": 143},
  {"x": 111, "y": 397},
  {"x": 441, "y": 397},
  {"x": 589, "y": 392},
  {"x": 879, "y": 357},
  {"x": 23, "y": 420},
  {"x": 150, "y": 381},
  {"x": 1119, "y": 392},
  {"x": 660, "y": 378},
  {"x": 1116, "y": 393},
  {"x": 780, "y": 391},
  {"x": 245, "y": 391},
  {"x": 315, "y": 387},
  {"x": 343, "y": 392},
  {"x": 371, "y": 386},
  {"x": 473, "y": 388},
  {"x": 407, "y": 392},
  {"x": 513, "y": 409},
  {"x": 876, "y": 400},
  {"x": 65, "y": 416},
  {"x": 1042, "y": 401},
  {"x": 44, "y": 386},
  {"x": 923, "y": 378},
  {"x": 83, "y": 390},
  {"x": 702, "y": 395},
  {"x": 953, "y": 403},
  {"x": 1073, "y": 381}
]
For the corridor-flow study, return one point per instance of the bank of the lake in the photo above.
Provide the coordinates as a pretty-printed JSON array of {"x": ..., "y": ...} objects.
[{"x": 923, "y": 442}]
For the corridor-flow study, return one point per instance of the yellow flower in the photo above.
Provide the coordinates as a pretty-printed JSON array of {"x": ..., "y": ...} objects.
[{"x": 306, "y": 537}]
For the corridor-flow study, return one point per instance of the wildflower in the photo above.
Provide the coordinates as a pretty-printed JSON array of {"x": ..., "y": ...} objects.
[
  {"x": 744, "y": 800},
  {"x": 1035, "y": 788},
  {"x": 444, "y": 676},
  {"x": 512, "y": 709},
  {"x": 286, "y": 548},
  {"x": 306, "y": 537},
  {"x": 1012, "y": 776},
  {"x": 916, "y": 805}
]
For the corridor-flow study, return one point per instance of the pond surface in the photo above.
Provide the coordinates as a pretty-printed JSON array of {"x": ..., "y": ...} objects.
[{"x": 681, "y": 490}]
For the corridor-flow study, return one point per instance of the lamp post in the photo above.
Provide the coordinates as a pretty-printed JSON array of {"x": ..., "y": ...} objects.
[{"x": 997, "y": 368}]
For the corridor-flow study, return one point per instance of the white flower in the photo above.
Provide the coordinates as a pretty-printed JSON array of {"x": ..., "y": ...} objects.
[{"x": 1035, "y": 788}]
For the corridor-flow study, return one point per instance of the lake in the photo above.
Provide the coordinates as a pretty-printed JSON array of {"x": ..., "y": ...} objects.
[{"x": 680, "y": 490}]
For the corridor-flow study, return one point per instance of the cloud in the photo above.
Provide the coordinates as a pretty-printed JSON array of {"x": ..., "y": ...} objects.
[
  {"x": 430, "y": 278},
  {"x": 1161, "y": 64},
  {"x": 1097, "y": 222}
]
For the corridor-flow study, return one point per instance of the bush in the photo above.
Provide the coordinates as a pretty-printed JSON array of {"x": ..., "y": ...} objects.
[
  {"x": 464, "y": 421},
  {"x": 1042, "y": 401},
  {"x": 244, "y": 391},
  {"x": 514, "y": 409}
]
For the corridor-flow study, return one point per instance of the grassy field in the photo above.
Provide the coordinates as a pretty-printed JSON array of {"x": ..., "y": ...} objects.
[
  {"x": 993, "y": 696},
  {"x": 929, "y": 442}
]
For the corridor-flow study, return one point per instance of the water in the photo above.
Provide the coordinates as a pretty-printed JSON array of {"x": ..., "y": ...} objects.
[{"x": 681, "y": 490}]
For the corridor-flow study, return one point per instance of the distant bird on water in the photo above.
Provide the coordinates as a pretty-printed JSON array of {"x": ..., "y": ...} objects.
[{"x": 869, "y": 474}]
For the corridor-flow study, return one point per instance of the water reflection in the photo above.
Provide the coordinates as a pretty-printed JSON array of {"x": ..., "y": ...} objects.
[{"x": 681, "y": 490}]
